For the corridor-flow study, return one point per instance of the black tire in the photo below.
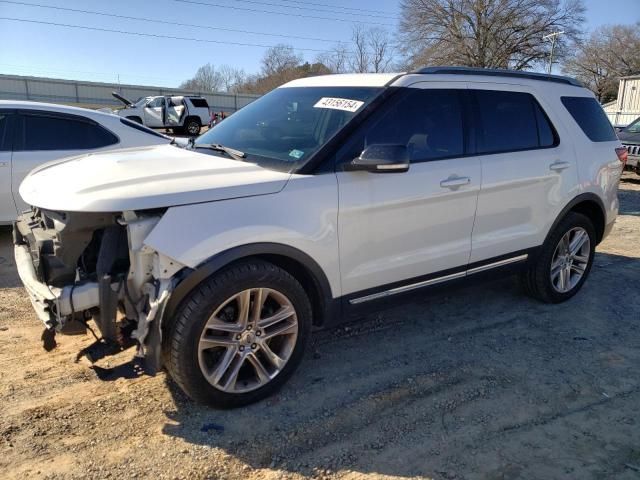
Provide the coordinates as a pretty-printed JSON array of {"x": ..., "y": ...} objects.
[
  {"x": 180, "y": 347},
  {"x": 177, "y": 130},
  {"x": 536, "y": 280},
  {"x": 192, "y": 126}
]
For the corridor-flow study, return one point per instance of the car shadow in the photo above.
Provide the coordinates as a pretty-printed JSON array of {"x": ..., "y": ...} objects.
[{"x": 453, "y": 383}]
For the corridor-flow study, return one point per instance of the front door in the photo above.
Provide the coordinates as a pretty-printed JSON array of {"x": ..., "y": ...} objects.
[
  {"x": 403, "y": 228},
  {"x": 154, "y": 113}
]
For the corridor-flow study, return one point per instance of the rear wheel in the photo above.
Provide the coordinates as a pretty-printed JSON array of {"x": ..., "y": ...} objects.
[
  {"x": 564, "y": 261},
  {"x": 192, "y": 126},
  {"x": 239, "y": 335}
]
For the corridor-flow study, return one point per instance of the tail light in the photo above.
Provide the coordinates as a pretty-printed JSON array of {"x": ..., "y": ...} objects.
[{"x": 622, "y": 154}]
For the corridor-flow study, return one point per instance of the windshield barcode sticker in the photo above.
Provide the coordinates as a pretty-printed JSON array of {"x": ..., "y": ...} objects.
[{"x": 339, "y": 104}]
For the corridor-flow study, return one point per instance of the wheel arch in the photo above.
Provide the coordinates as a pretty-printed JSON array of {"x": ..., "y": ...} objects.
[
  {"x": 589, "y": 205},
  {"x": 300, "y": 265}
]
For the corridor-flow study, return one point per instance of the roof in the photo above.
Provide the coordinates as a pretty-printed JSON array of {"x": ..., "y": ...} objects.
[
  {"x": 497, "y": 72},
  {"x": 384, "y": 79},
  {"x": 26, "y": 104},
  {"x": 631, "y": 77},
  {"x": 344, "y": 80}
]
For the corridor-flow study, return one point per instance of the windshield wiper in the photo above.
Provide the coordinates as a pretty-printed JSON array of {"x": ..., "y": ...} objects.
[{"x": 232, "y": 152}]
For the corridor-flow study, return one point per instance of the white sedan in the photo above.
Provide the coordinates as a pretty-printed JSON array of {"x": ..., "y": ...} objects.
[{"x": 33, "y": 133}]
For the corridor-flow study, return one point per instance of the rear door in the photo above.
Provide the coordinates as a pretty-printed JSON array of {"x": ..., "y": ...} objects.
[
  {"x": 154, "y": 113},
  {"x": 7, "y": 205},
  {"x": 41, "y": 137},
  {"x": 398, "y": 229},
  {"x": 527, "y": 172}
]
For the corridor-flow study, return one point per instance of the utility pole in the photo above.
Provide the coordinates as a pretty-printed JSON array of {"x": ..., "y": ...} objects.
[{"x": 552, "y": 36}]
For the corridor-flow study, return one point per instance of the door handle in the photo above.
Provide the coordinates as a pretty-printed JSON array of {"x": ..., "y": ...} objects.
[
  {"x": 455, "y": 182},
  {"x": 558, "y": 166},
  {"x": 4, "y": 164}
]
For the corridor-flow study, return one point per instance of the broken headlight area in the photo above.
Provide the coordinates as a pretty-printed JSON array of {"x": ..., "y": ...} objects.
[{"x": 95, "y": 266}]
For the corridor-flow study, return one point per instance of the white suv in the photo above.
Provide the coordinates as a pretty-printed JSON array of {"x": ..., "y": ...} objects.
[
  {"x": 327, "y": 196},
  {"x": 183, "y": 114}
]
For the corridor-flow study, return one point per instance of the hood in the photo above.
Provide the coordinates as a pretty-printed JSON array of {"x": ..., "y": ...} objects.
[
  {"x": 143, "y": 178},
  {"x": 629, "y": 137},
  {"x": 124, "y": 100}
]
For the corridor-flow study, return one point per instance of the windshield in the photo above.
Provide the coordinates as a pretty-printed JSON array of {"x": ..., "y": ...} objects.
[
  {"x": 285, "y": 128},
  {"x": 633, "y": 128},
  {"x": 141, "y": 101}
]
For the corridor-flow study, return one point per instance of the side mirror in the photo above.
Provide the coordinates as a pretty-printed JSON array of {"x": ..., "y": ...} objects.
[{"x": 381, "y": 159}]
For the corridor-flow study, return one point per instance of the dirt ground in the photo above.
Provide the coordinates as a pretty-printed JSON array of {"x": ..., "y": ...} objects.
[{"x": 476, "y": 382}]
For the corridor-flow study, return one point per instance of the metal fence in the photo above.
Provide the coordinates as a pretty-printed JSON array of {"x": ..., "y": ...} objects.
[{"x": 96, "y": 94}]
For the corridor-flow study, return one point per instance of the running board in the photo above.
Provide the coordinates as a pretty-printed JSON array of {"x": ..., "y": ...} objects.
[{"x": 434, "y": 281}]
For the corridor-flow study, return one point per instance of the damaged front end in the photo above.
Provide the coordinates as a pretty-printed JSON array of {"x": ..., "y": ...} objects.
[{"x": 79, "y": 266}]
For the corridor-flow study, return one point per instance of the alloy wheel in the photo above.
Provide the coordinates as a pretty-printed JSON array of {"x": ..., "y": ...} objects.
[
  {"x": 570, "y": 259},
  {"x": 248, "y": 340}
]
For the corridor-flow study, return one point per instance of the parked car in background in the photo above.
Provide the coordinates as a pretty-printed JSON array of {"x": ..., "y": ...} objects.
[
  {"x": 630, "y": 138},
  {"x": 182, "y": 114},
  {"x": 33, "y": 133},
  {"x": 325, "y": 197}
]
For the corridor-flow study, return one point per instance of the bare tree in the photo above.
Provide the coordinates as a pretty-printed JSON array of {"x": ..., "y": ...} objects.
[
  {"x": 337, "y": 59},
  {"x": 486, "y": 33},
  {"x": 359, "y": 61},
  {"x": 380, "y": 48},
  {"x": 610, "y": 52},
  {"x": 231, "y": 77},
  {"x": 206, "y": 79},
  {"x": 279, "y": 58}
]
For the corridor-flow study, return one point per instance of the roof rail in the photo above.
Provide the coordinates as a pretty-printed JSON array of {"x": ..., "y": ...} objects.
[{"x": 497, "y": 72}]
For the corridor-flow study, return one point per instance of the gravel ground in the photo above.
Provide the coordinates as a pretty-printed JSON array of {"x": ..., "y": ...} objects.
[{"x": 476, "y": 382}]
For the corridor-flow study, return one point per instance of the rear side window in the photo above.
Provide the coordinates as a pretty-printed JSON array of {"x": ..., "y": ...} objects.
[
  {"x": 199, "y": 102},
  {"x": 5, "y": 134},
  {"x": 588, "y": 114},
  {"x": 61, "y": 132},
  {"x": 511, "y": 121}
]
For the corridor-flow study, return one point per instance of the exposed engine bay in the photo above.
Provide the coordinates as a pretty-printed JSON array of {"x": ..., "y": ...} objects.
[{"x": 80, "y": 266}]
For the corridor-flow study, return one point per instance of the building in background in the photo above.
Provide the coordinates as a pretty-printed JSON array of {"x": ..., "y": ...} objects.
[
  {"x": 626, "y": 108},
  {"x": 97, "y": 94}
]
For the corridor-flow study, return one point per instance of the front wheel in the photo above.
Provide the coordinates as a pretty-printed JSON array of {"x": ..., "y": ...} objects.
[
  {"x": 239, "y": 335},
  {"x": 564, "y": 261}
]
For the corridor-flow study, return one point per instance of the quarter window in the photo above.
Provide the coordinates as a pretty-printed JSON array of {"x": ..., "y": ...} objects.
[
  {"x": 53, "y": 132},
  {"x": 588, "y": 114}
]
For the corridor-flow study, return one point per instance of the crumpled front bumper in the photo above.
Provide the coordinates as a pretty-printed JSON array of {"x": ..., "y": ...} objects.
[
  {"x": 43, "y": 298},
  {"x": 52, "y": 304}
]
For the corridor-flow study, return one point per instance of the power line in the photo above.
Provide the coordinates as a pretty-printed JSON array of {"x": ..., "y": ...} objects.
[
  {"x": 300, "y": 15},
  {"x": 312, "y": 9},
  {"x": 152, "y": 35},
  {"x": 339, "y": 6},
  {"x": 164, "y": 22}
]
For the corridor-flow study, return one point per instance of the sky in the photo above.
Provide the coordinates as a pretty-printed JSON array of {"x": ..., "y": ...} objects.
[{"x": 149, "y": 58}]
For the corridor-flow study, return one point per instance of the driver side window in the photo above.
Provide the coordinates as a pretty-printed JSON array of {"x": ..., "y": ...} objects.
[{"x": 427, "y": 121}]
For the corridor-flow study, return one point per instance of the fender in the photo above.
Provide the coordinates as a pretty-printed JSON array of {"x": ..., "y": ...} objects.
[
  {"x": 192, "y": 277},
  {"x": 587, "y": 196}
]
